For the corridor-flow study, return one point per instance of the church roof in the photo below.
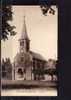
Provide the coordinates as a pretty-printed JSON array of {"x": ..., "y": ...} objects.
[
  {"x": 24, "y": 34},
  {"x": 33, "y": 54},
  {"x": 37, "y": 56}
]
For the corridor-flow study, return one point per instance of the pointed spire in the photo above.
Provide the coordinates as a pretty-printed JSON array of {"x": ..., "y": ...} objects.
[{"x": 24, "y": 34}]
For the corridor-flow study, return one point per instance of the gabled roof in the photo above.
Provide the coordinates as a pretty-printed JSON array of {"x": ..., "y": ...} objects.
[
  {"x": 33, "y": 54},
  {"x": 37, "y": 56}
]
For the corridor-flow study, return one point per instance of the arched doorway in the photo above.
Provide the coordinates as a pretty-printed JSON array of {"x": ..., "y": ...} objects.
[
  {"x": 20, "y": 74},
  {"x": 20, "y": 71}
]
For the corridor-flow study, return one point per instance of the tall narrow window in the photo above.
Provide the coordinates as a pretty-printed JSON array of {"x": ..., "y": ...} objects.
[
  {"x": 27, "y": 45},
  {"x": 22, "y": 43}
]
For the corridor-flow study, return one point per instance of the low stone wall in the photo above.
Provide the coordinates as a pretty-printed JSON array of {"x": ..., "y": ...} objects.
[{"x": 27, "y": 84}]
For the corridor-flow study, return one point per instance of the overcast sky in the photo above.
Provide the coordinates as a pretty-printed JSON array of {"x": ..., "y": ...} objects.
[{"x": 42, "y": 31}]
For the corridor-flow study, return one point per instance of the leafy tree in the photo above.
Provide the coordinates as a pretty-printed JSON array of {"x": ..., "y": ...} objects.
[
  {"x": 3, "y": 64},
  {"x": 6, "y": 68},
  {"x": 51, "y": 63},
  {"x": 7, "y": 29},
  {"x": 51, "y": 67},
  {"x": 38, "y": 72},
  {"x": 8, "y": 64},
  {"x": 46, "y": 6}
]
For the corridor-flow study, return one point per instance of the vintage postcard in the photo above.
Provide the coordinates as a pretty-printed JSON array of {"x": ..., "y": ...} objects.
[{"x": 29, "y": 58}]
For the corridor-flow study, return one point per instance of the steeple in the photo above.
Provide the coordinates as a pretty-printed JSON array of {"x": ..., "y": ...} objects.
[
  {"x": 24, "y": 40},
  {"x": 24, "y": 34}
]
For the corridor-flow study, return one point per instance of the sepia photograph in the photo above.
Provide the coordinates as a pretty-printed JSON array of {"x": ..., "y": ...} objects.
[{"x": 29, "y": 51}]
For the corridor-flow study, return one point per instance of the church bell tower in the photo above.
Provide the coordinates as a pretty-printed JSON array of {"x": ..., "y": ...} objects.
[
  {"x": 23, "y": 59},
  {"x": 24, "y": 40}
]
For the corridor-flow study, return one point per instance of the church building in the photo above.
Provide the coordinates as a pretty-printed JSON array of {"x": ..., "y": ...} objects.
[{"x": 27, "y": 65}]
